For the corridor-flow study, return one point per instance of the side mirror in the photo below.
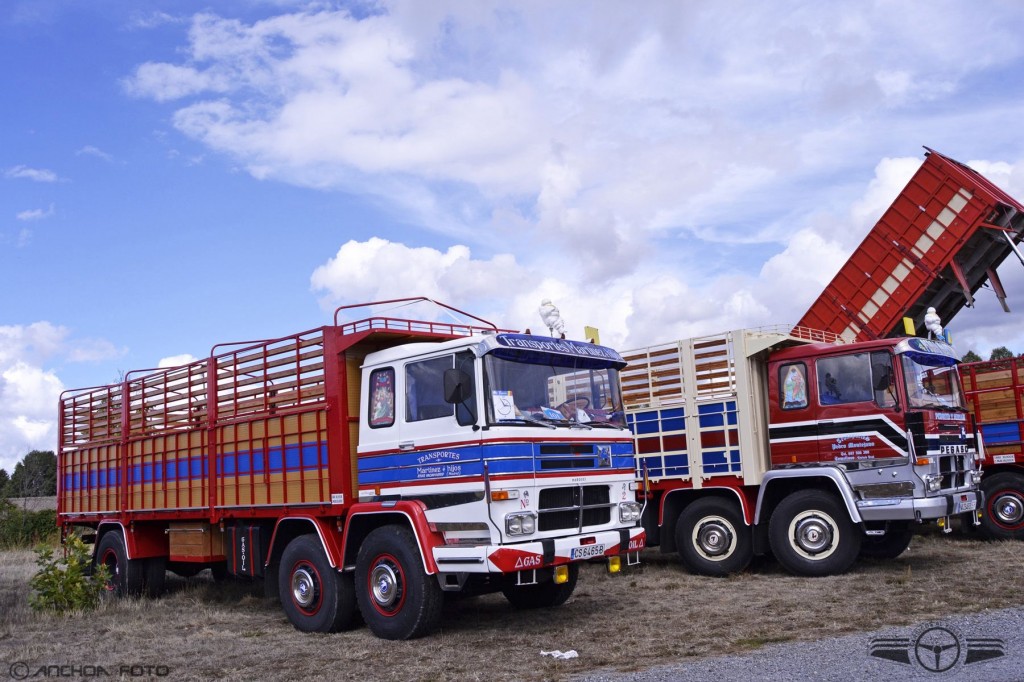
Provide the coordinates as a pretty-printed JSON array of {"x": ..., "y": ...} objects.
[{"x": 458, "y": 386}]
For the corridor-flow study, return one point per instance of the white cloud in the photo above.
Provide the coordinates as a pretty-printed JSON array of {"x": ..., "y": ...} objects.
[
  {"x": 90, "y": 150},
  {"x": 176, "y": 360},
  {"x": 679, "y": 171},
  {"x": 30, "y": 386},
  {"x": 35, "y": 174},
  {"x": 36, "y": 213}
]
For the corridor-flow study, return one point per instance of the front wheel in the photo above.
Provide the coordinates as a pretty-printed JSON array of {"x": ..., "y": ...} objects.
[
  {"x": 314, "y": 595},
  {"x": 811, "y": 534},
  {"x": 542, "y": 595},
  {"x": 1004, "y": 506},
  {"x": 713, "y": 539},
  {"x": 396, "y": 596}
]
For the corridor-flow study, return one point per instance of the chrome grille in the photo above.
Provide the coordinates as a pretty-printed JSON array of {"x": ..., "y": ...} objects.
[
  {"x": 953, "y": 469},
  {"x": 574, "y": 507}
]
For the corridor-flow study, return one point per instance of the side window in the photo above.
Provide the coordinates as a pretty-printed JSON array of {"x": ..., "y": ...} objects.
[
  {"x": 882, "y": 379},
  {"x": 793, "y": 386},
  {"x": 424, "y": 389},
  {"x": 382, "y": 398},
  {"x": 844, "y": 379}
]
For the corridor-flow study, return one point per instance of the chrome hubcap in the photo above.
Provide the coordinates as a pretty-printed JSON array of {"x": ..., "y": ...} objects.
[
  {"x": 384, "y": 583},
  {"x": 303, "y": 588},
  {"x": 714, "y": 538},
  {"x": 1009, "y": 509},
  {"x": 813, "y": 535}
]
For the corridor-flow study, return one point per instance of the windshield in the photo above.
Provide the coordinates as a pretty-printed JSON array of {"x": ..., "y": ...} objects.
[
  {"x": 527, "y": 393},
  {"x": 934, "y": 387}
]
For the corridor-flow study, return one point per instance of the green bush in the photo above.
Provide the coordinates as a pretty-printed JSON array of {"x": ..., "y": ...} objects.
[
  {"x": 21, "y": 528},
  {"x": 63, "y": 583}
]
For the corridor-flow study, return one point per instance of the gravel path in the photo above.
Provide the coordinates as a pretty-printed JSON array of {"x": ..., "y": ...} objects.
[{"x": 964, "y": 640}]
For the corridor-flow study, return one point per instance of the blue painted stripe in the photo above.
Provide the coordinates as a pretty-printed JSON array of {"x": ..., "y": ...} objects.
[
  {"x": 995, "y": 434},
  {"x": 501, "y": 458}
]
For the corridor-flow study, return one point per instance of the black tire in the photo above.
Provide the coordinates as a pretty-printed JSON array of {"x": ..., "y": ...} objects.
[
  {"x": 889, "y": 546},
  {"x": 1004, "y": 506},
  {"x": 542, "y": 595},
  {"x": 811, "y": 534},
  {"x": 156, "y": 575},
  {"x": 396, "y": 596},
  {"x": 126, "y": 576},
  {"x": 314, "y": 595},
  {"x": 712, "y": 537}
]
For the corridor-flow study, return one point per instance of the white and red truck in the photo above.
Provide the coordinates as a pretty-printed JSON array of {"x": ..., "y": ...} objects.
[
  {"x": 365, "y": 466},
  {"x": 785, "y": 441}
]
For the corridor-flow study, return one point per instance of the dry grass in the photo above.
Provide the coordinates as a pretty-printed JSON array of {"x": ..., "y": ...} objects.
[{"x": 654, "y": 614}]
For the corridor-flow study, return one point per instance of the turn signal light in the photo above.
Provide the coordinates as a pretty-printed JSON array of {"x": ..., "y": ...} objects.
[{"x": 922, "y": 461}]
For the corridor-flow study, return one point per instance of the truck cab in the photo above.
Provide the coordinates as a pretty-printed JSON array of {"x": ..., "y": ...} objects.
[{"x": 890, "y": 416}]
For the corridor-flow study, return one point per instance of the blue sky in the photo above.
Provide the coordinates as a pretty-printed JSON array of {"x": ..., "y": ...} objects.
[{"x": 176, "y": 174}]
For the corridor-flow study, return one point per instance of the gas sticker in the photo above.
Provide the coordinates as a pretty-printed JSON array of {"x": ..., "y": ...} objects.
[{"x": 529, "y": 561}]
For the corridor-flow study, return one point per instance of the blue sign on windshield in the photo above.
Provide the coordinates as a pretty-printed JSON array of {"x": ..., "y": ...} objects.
[
  {"x": 927, "y": 352},
  {"x": 583, "y": 354}
]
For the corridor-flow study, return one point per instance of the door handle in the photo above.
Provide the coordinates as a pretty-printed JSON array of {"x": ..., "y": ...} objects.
[{"x": 406, "y": 445}]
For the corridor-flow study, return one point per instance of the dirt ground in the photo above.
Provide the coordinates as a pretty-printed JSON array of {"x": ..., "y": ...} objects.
[{"x": 653, "y": 614}]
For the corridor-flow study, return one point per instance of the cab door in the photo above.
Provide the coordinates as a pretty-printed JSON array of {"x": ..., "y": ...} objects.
[
  {"x": 437, "y": 438},
  {"x": 858, "y": 412}
]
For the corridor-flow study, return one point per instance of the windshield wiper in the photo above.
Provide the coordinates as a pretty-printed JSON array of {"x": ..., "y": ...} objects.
[
  {"x": 531, "y": 420},
  {"x": 606, "y": 423}
]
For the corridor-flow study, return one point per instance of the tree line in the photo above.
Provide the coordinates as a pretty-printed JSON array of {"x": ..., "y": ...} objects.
[
  {"x": 33, "y": 476},
  {"x": 1000, "y": 353}
]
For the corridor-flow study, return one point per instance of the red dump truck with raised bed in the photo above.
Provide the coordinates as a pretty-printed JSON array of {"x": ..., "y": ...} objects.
[
  {"x": 367, "y": 466},
  {"x": 938, "y": 244},
  {"x": 784, "y": 441}
]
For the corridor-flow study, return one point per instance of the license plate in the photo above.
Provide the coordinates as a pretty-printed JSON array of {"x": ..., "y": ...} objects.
[
  {"x": 952, "y": 449},
  {"x": 587, "y": 551},
  {"x": 967, "y": 505}
]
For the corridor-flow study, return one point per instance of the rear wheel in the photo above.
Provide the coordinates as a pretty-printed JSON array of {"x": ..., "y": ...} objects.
[
  {"x": 889, "y": 546},
  {"x": 811, "y": 534},
  {"x": 1004, "y": 506},
  {"x": 126, "y": 576},
  {"x": 396, "y": 596},
  {"x": 542, "y": 595},
  {"x": 712, "y": 538},
  {"x": 156, "y": 574},
  {"x": 314, "y": 595}
]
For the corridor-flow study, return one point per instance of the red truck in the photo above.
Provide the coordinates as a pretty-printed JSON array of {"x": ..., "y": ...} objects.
[
  {"x": 785, "y": 441},
  {"x": 995, "y": 394},
  {"x": 366, "y": 466},
  {"x": 938, "y": 243}
]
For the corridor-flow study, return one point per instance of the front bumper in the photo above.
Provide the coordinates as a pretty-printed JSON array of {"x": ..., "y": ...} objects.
[
  {"x": 919, "y": 509},
  {"x": 526, "y": 556}
]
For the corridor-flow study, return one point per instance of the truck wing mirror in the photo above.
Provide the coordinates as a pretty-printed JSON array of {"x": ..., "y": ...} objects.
[{"x": 458, "y": 386}]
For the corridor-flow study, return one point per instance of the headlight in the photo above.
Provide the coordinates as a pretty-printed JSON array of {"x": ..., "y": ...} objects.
[
  {"x": 933, "y": 482},
  {"x": 629, "y": 512},
  {"x": 521, "y": 523}
]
